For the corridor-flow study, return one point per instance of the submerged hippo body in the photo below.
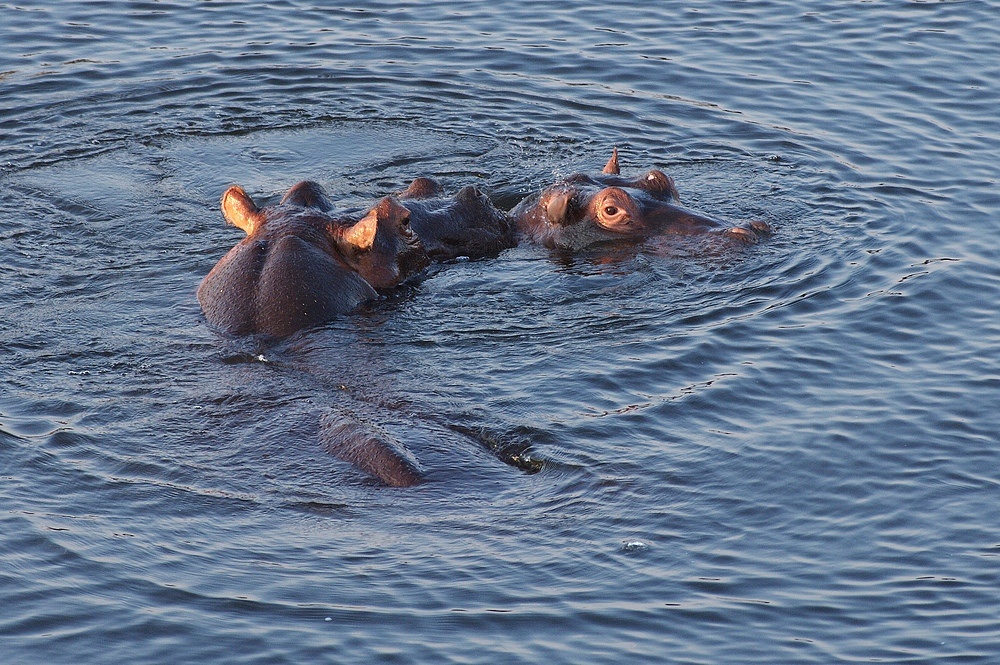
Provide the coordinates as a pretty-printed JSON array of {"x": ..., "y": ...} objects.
[
  {"x": 466, "y": 224},
  {"x": 584, "y": 210},
  {"x": 300, "y": 266},
  {"x": 370, "y": 449}
]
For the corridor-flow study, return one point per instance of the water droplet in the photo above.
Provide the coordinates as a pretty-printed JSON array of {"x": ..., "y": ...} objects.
[{"x": 634, "y": 546}]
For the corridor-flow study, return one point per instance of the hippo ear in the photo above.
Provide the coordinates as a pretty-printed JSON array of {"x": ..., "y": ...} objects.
[
  {"x": 362, "y": 234},
  {"x": 421, "y": 188},
  {"x": 557, "y": 207},
  {"x": 611, "y": 168},
  {"x": 658, "y": 182},
  {"x": 469, "y": 194},
  {"x": 239, "y": 209},
  {"x": 307, "y": 194}
]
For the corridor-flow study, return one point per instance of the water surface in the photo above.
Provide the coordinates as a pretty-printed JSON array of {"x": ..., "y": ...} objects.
[{"x": 787, "y": 454}]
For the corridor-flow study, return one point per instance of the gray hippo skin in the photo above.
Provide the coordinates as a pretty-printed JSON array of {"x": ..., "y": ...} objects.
[
  {"x": 466, "y": 224},
  {"x": 299, "y": 266},
  {"x": 370, "y": 449},
  {"x": 584, "y": 210}
]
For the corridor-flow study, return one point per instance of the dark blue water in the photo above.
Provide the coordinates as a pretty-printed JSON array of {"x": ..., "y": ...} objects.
[{"x": 783, "y": 455}]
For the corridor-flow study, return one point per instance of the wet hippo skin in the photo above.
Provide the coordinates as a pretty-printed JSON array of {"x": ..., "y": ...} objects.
[
  {"x": 370, "y": 449},
  {"x": 300, "y": 266},
  {"x": 466, "y": 224},
  {"x": 584, "y": 210}
]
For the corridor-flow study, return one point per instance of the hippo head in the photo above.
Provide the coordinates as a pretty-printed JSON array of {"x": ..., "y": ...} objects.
[
  {"x": 629, "y": 208},
  {"x": 299, "y": 266},
  {"x": 380, "y": 246},
  {"x": 585, "y": 209},
  {"x": 466, "y": 224}
]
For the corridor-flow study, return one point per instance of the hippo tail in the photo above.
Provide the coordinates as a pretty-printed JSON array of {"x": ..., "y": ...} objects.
[{"x": 368, "y": 448}]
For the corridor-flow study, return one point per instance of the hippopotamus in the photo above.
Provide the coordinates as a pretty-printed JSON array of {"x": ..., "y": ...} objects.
[
  {"x": 300, "y": 265},
  {"x": 583, "y": 210},
  {"x": 370, "y": 449},
  {"x": 466, "y": 224}
]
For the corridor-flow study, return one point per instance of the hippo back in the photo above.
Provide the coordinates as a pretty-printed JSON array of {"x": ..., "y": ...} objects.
[{"x": 278, "y": 287}]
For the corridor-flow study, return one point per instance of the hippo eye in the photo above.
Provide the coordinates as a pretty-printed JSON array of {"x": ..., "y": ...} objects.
[{"x": 610, "y": 211}]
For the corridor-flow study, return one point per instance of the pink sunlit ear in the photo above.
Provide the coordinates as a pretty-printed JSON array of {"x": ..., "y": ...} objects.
[
  {"x": 612, "y": 168},
  {"x": 239, "y": 209}
]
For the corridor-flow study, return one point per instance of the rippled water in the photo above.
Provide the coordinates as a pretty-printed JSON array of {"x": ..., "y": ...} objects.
[{"x": 788, "y": 454}]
